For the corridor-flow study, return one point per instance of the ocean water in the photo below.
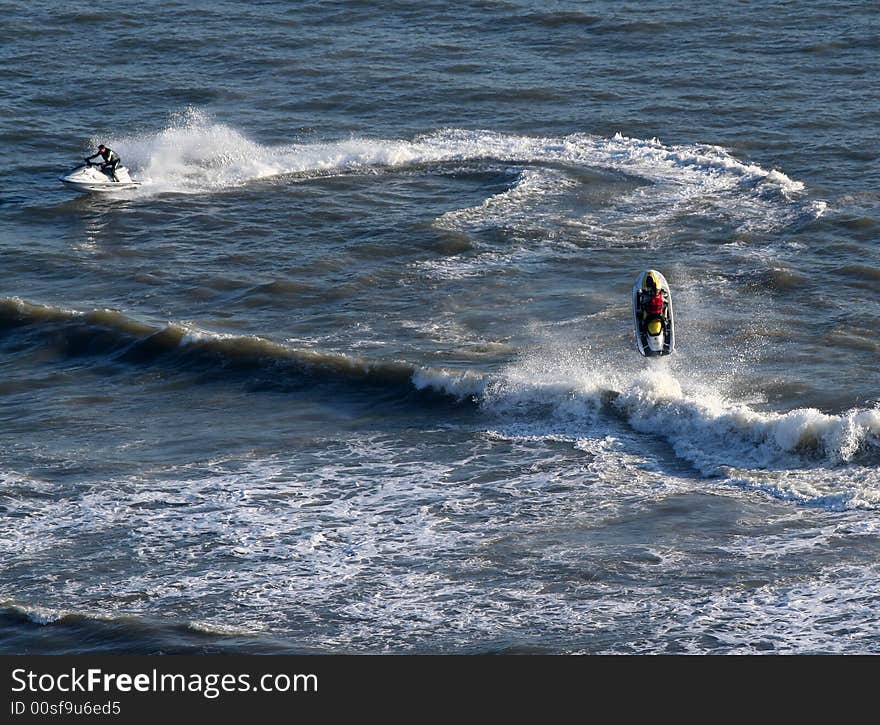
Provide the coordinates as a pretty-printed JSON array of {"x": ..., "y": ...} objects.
[{"x": 353, "y": 370}]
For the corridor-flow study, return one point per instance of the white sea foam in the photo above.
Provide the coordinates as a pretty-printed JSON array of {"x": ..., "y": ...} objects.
[
  {"x": 460, "y": 384},
  {"x": 804, "y": 454},
  {"x": 513, "y": 206},
  {"x": 396, "y": 548},
  {"x": 480, "y": 263},
  {"x": 713, "y": 432},
  {"x": 785, "y": 615},
  {"x": 193, "y": 334},
  {"x": 36, "y": 614}
]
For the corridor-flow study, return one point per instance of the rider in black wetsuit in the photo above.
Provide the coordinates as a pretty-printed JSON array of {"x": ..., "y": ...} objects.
[{"x": 111, "y": 161}]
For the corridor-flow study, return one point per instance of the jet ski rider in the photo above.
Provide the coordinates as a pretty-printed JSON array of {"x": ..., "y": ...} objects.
[
  {"x": 111, "y": 160},
  {"x": 653, "y": 301}
]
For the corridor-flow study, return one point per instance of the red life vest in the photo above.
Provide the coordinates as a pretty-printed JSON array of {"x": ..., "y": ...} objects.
[{"x": 654, "y": 304}]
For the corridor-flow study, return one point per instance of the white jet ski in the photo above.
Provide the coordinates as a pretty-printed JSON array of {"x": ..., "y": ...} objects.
[
  {"x": 88, "y": 177},
  {"x": 652, "y": 314}
]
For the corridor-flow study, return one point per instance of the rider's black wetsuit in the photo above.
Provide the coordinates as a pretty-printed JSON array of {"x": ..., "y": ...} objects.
[{"x": 111, "y": 161}]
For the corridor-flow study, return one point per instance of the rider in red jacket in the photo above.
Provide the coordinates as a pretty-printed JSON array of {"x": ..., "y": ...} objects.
[
  {"x": 652, "y": 299},
  {"x": 654, "y": 303}
]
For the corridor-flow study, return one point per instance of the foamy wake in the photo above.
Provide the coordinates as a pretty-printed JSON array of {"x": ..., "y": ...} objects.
[
  {"x": 512, "y": 205},
  {"x": 196, "y": 154}
]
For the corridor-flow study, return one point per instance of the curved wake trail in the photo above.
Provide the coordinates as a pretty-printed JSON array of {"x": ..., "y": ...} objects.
[{"x": 196, "y": 154}]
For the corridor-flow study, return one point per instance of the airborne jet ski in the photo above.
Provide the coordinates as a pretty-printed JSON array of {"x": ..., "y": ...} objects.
[
  {"x": 88, "y": 177},
  {"x": 652, "y": 314}
]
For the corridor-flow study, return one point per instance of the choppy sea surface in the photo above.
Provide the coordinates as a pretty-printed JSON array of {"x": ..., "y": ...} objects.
[{"x": 353, "y": 370}]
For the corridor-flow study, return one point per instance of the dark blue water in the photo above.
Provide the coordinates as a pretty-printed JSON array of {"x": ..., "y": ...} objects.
[{"x": 353, "y": 368}]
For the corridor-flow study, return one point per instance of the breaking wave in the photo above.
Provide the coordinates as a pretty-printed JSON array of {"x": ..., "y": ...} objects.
[
  {"x": 575, "y": 395},
  {"x": 111, "y": 336}
]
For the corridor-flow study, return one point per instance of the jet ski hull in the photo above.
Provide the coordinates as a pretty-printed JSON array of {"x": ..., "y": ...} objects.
[
  {"x": 88, "y": 178},
  {"x": 655, "y": 333}
]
